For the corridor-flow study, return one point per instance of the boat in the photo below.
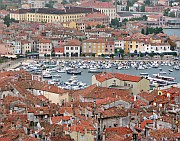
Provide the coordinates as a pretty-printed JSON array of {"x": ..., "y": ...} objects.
[
  {"x": 47, "y": 75},
  {"x": 170, "y": 70},
  {"x": 162, "y": 72},
  {"x": 61, "y": 71},
  {"x": 140, "y": 68},
  {"x": 94, "y": 70},
  {"x": 167, "y": 78},
  {"x": 176, "y": 67},
  {"x": 57, "y": 75},
  {"x": 74, "y": 71}
]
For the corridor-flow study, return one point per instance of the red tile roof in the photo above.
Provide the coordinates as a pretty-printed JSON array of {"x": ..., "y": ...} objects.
[{"x": 124, "y": 77}]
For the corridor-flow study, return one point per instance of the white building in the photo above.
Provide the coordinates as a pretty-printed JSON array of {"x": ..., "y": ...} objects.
[
  {"x": 37, "y": 3},
  {"x": 72, "y": 48},
  {"x": 160, "y": 48},
  {"x": 119, "y": 43}
]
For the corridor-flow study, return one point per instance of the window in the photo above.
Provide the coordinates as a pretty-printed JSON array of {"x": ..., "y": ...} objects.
[
  {"x": 71, "y": 48},
  {"x": 67, "y": 48}
]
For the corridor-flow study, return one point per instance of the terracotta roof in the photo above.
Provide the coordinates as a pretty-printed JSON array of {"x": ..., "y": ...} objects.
[
  {"x": 97, "y": 4},
  {"x": 124, "y": 77},
  {"x": 114, "y": 112},
  {"x": 73, "y": 42}
]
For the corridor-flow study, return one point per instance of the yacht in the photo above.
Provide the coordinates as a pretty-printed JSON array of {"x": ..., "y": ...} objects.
[{"x": 94, "y": 70}]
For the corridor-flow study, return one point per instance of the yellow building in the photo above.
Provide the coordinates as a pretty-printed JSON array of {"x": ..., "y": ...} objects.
[
  {"x": 93, "y": 46},
  {"x": 135, "y": 83},
  {"x": 51, "y": 15},
  {"x": 70, "y": 24}
]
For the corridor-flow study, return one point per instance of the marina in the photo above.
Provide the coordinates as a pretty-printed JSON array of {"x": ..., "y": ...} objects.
[{"x": 77, "y": 74}]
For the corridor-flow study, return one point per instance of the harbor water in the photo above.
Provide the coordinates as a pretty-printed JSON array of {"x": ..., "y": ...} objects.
[{"x": 86, "y": 77}]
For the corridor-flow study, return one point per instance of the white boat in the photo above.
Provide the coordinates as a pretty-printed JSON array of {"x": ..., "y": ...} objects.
[
  {"x": 167, "y": 78},
  {"x": 61, "y": 71},
  {"x": 57, "y": 75},
  {"x": 47, "y": 75},
  {"x": 176, "y": 67},
  {"x": 170, "y": 70},
  {"x": 94, "y": 70},
  {"x": 162, "y": 72},
  {"x": 140, "y": 68}
]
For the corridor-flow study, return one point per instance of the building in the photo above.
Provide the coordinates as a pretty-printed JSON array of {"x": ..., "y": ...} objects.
[
  {"x": 45, "y": 47},
  {"x": 72, "y": 48},
  {"x": 137, "y": 84},
  {"x": 156, "y": 20},
  {"x": 37, "y": 3},
  {"x": 109, "y": 47},
  {"x": 156, "y": 8},
  {"x": 97, "y": 17},
  {"x": 106, "y": 8},
  {"x": 94, "y": 46},
  {"x": 124, "y": 15},
  {"x": 51, "y": 15}
]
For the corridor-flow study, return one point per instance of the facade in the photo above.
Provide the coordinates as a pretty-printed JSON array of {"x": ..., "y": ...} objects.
[
  {"x": 45, "y": 47},
  {"x": 51, "y": 15},
  {"x": 37, "y": 3},
  {"x": 72, "y": 48},
  {"x": 119, "y": 43},
  {"x": 97, "y": 17},
  {"x": 109, "y": 47},
  {"x": 26, "y": 47},
  {"x": 124, "y": 81},
  {"x": 106, "y": 8},
  {"x": 156, "y": 8},
  {"x": 160, "y": 48},
  {"x": 93, "y": 46},
  {"x": 156, "y": 20}
]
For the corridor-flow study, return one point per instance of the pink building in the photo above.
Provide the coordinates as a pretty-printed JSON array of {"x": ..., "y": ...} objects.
[
  {"x": 157, "y": 8},
  {"x": 45, "y": 47}
]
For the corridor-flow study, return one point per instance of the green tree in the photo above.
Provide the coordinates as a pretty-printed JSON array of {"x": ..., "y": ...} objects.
[
  {"x": 8, "y": 21},
  {"x": 88, "y": 27},
  {"x": 142, "y": 8},
  {"x": 144, "y": 17},
  {"x": 166, "y": 12},
  {"x": 147, "y": 2},
  {"x": 147, "y": 31},
  {"x": 142, "y": 31},
  {"x": 161, "y": 55},
  {"x": 64, "y": 2},
  {"x": 102, "y": 55},
  {"x": 50, "y": 4},
  {"x": 115, "y": 22}
]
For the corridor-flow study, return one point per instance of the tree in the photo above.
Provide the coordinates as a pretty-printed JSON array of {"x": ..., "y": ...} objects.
[
  {"x": 143, "y": 8},
  {"x": 50, "y": 4},
  {"x": 151, "y": 54},
  {"x": 141, "y": 54},
  {"x": 147, "y": 2},
  {"x": 142, "y": 30},
  {"x": 166, "y": 12},
  {"x": 147, "y": 31},
  {"x": 64, "y": 2},
  {"x": 144, "y": 17},
  {"x": 115, "y": 22},
  {"x": 102, "y": 55},
  {"x": 93, "y": 55},
  {"x": 8, "y": 21},
  {"x": 161, "y": 55},
  {"x": 88, "y": 27}
]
